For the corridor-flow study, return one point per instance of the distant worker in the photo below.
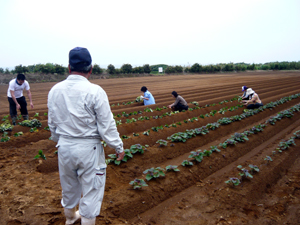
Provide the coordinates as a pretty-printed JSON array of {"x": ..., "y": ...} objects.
[
  {"x": 179, "y": 104},
  {"x": 16, "y": 99},
  {"x": 79, "y": 117},
  {"x": 148, "y": 97},
  {"x": 245, "y": 96},
  {"x": 254, "y": 102}
]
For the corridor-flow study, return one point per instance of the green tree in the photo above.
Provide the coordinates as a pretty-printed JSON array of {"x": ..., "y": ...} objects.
[
  {"x": 1, "y": 70},
  {"x": 126, "y": 68},
  {"x": 178, "y": 69},
  {"x": 138, "y": 70},
  {"x": 187, "y": 69},
  {"x": 97, "y": 69},
  {"x": 170, "y": 69},
  {"x": 111, "y": 69},
  {"x": 251, "y": 67},
  {"x": 59, "y": 69},
  {"x": 118, "y": 71},
  {"x": 31, "y": 68},
  {"x": 196, "y": 68},
  {"x": 146, "y": 68},
  {"x": 228, "y": 67},
  {"x": 21, "y": 69},
  {"x": 265, "y": 67},
  {"x": 6, "y": 71}
]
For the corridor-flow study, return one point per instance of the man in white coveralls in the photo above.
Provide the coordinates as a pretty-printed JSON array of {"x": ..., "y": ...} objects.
[{"x": 79, "y": 117}]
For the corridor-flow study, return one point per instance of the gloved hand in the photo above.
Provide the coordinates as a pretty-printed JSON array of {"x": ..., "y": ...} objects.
[{"x": 142, "y": 96}]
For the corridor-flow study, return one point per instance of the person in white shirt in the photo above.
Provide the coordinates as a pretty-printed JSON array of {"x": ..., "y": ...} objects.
[
  {"x": 16, "y": 99},
  {"x": 79, "y": 116}
]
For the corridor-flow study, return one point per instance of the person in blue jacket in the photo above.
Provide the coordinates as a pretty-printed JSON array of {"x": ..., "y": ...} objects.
[{"x": 148, "y": 97}]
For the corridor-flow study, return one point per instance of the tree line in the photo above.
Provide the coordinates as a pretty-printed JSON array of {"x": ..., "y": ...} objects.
[{"x": 50, "y": 68}]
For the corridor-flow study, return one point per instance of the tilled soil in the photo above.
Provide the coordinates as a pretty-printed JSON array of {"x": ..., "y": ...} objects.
[{"x": 30, "y": 191}]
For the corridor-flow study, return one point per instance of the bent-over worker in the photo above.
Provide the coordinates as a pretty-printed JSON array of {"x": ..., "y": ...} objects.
[
  {"x": 254, "y": 102},
  {"x": 179, "y": 104}
]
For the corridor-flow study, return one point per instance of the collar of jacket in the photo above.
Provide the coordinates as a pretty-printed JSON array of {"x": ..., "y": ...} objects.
[{"x": 76, "y": 77}]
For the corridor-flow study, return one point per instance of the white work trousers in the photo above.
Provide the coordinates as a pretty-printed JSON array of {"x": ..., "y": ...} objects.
[{"x": 82, "y": 170}]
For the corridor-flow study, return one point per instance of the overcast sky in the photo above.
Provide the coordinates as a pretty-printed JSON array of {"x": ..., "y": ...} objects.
[{"x": 150, "y": 32}]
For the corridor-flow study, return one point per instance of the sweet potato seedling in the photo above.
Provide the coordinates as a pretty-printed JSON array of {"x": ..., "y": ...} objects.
[
  {"x": 172, "y": 168},
  {"x": 254, "y": 169},
  {"x": 18, "y": 134},
  {"x": 268, "y": 159},
  {"x": 154, "y": 173},
  {"x": 5, "y": 118},
  {"x": 5, "y": 139},
  {"x": 138, "y": 183},
  {"x": 214, "y": 149},
  {"x": 187, "y": 163},
  {"x": 162, "y": 142},
  {"x": 197, "y": 155},
  {"x": 233, "y": 181},
  {"x": 40, "y": 155}
]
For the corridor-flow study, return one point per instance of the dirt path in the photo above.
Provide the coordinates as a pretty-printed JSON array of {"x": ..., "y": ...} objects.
[{"x": 30, "y": 191}]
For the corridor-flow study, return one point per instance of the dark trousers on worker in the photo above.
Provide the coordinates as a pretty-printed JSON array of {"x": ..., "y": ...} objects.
[
  {"x": 179, "y": 107},
  {"x": 254, "y": 106},
  {"x": 13, "y": 108}
]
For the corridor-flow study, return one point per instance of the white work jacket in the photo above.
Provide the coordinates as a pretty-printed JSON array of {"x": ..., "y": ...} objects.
[{"x": 80, "y": 109}]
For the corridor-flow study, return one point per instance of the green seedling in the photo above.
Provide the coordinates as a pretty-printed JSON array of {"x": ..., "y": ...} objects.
[
  {"x": 118, "y": 122},
  {"x": 113, "y": 157},
  {"x": 197, "y": 155},
  {"x": 40, "y": 155},
  {"x": 154, "y": 173},
  {"x": 187, "y": 163},
  {"x": 5, "y": 118},
  {"x": 244, "y": 173},
  {"x": 18, "y": 134},
  {"x": 254, "y": 169},
  {"x": 172, "y": 168},
  {"x": 125, "y": 137},
  {"x": 233, "y": 181},
  {"x": 5, "y": 139},
  {"x": 268, "y": 159},
  {"x": 33, "y": 129},
  {"x": 207, "y": 152},
  {"x": 138, "y": 183},
  {"x": 31, "y": 123},
  {"x": 162, "y": 143},
  {"x": 5, "y": 126},
  {"x": 103, "y": 143},
  {"x": 138, "y": 148},
  {"x": 36, "y": 115},
  {"x": 214, "y": 149}
]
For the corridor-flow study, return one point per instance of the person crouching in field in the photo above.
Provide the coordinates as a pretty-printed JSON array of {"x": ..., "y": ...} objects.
[
  {"x": 245, "y": 96},
  {"x": 148, "y": 97},
  {"x": 254, "y": 102},
  {"x": 179, "y": 104}
]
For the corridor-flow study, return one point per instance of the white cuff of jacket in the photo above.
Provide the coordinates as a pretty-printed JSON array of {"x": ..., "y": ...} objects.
[{"x": 119, "y": 150}]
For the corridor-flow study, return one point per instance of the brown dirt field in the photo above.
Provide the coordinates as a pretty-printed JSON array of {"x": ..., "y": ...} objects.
[{"x": 30, "y": 190}]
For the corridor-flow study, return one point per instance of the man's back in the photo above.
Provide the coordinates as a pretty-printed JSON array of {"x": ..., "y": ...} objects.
[{"x": 72, "y": 105}]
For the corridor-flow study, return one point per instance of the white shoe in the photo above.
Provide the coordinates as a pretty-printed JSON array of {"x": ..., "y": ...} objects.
[
  {"x": 71, "y": 216},
  {"x": 86, "y": 221}
]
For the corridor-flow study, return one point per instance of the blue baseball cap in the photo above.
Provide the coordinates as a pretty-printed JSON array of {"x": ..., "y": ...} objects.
[
  {"x": 79, "y": 57},
  {"x": 244, "y": 88}
]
